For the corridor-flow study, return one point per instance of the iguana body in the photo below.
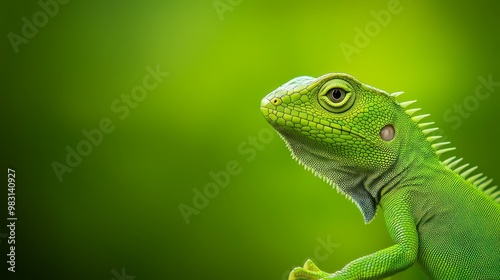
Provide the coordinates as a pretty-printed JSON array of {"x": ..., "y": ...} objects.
[{"x": 368, "y": 145}]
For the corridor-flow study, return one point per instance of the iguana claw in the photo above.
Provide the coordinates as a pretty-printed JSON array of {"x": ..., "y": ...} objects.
[{"x": 308, "y": 272}]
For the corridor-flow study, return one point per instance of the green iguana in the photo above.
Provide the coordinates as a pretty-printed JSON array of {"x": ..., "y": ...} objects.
[{"x": 372, "y": 149}]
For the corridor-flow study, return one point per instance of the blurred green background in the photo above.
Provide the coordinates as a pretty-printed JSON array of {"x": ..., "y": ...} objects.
[{"x": 119, "y": 207}]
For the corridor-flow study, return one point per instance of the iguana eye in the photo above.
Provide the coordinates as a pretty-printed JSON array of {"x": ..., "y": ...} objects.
[{"x": 336, "y": 95}]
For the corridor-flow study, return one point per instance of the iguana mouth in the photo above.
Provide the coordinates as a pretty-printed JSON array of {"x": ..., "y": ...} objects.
[{"x": 267, "y": 111}]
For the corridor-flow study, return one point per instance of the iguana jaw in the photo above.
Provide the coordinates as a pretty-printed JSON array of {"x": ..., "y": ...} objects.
[{"x": 268, "y": 112}]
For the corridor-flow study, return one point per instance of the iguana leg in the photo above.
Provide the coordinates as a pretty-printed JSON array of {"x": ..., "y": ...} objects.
[
  {"x": 385, "y": 262},
  {"x": 398, "y": 257}
]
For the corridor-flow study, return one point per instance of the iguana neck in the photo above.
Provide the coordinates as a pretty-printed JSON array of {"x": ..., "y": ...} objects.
[{"x": 364, "y": 187}]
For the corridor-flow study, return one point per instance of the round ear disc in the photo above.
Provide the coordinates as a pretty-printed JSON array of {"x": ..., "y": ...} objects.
[{"x": 387, "y": 133}]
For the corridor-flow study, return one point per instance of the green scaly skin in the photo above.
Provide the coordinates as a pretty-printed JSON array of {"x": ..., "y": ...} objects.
[{"x": 439, "y": 215}]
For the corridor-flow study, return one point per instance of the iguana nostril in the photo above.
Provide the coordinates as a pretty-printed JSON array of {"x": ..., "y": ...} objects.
[
  {"x": 387, "y": 132},
  {"x": 276, "y": 101}
]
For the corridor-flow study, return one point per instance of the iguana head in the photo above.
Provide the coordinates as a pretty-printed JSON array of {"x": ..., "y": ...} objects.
[{"x": 346, "y": 132}]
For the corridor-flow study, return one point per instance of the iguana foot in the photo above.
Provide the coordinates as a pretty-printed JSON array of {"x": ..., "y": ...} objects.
[{"x": 308, "y": 272}]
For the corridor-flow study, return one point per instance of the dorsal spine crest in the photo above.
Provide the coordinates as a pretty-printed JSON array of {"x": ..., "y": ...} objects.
[{"x": 478, "y": 180}]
